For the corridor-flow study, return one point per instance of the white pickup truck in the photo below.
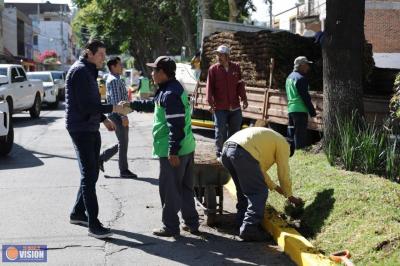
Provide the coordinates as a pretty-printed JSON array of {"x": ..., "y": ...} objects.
[
  {"x": 6, "y": 129},
  {"x": 20, "y": 93}
]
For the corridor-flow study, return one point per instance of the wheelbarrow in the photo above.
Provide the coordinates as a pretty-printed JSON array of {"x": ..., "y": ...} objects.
[{"x": 209, "y": 180}]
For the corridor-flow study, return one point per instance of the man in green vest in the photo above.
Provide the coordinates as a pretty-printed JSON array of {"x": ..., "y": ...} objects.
[
  {"x": 299, "y": 102},
  {"x": 174, "y": 145}
]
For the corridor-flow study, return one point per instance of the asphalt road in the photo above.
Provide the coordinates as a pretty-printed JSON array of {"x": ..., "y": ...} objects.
[{"x": 38, "y": 185}]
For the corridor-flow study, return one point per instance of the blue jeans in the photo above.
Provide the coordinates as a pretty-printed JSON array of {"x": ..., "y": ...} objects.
[
  {"x": 87, "y": 148},
  {"x": 226, "y": 123},
  {"x": 122, "y": 146},
  {"x": 297, "y": 128},
  {"x": 251, "y": 189},
  {"x": 177, "y": 194}
]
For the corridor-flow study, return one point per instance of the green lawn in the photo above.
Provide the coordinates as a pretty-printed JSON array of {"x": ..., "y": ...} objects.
[{"x": 345, "y": 210}]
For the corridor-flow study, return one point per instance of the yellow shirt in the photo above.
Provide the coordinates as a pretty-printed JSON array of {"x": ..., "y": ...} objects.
[{"x": 267, "y": 147}]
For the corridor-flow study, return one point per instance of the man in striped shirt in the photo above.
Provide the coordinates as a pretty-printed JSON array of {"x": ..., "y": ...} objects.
[{"x": 116, "y": 92}]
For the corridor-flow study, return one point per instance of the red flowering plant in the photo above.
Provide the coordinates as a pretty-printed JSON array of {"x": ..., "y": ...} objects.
[{"x": 48, "y": 57}]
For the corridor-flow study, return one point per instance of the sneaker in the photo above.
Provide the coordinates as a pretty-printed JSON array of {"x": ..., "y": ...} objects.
[
  {"x": 128, "y": 174},
  {"x": 164, "y": 233},
  {"x": 101, "y": 165},
  {"x": 100, "y": 232},
  {"x": 78, "y": 219},
  {"x": 192, "y": 231}
]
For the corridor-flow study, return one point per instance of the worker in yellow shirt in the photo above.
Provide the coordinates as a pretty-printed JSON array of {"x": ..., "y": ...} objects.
[{"x": 248, "y": 155}]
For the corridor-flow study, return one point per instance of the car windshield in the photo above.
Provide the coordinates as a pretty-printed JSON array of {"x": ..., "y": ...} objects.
[
  {"x": 42, "y": 77},
  {"x": 57, "y": 75},
  {"x": 3, "y": 71}
]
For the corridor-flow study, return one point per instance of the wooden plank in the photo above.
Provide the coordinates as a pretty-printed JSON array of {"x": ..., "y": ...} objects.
[{"x": 376, "y": 107}]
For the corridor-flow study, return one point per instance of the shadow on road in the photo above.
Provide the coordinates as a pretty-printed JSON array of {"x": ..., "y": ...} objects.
[
  {"x": 192, "y": 251},
  {"x": 149, "y": 180},
  {"x": 205, "y": 132},
  {"x": 26, "y": 121},
  {"x": 19, "y": 158}
]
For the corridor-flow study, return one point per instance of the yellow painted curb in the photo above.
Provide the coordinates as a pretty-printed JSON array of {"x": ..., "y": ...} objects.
[
  {"x": 202, "y": 123},
  {"x": 299, "y": 249}
]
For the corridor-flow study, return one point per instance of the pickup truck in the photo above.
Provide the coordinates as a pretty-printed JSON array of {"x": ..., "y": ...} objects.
[
  {"x": 50, "y": 87},
  {"x": 6, "y": 128},
  {"x": 20, "y": 94},
  {"x": 59, "y": 78}
]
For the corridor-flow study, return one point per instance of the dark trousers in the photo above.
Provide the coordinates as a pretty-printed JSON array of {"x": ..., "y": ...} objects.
[
  {"x": 122, "y": 146},
  {"x": 87, "y": 148},
  {"x": 227, "y": 123},
  {"x": 251, "y": 189},
  {"x": 297, "y": 128},
  {"x": 176, "y": 193}
]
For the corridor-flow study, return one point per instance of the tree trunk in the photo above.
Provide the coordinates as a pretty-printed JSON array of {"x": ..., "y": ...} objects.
[
  {"x": 205, "y": 8},
  {"x": 342, "y": 52},
  {"x": 233, "y": 11},
  {"x": 184, "y": 9}
]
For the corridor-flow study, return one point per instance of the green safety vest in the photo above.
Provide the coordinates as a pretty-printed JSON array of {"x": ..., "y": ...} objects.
[{"x": 161, "y": 131}]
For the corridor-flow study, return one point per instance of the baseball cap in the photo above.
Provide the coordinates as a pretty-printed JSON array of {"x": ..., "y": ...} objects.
[
  {"x": 223, "y": 49},
  {"x": 165, "y": 63},
  {"x": 301, "y": 60}
]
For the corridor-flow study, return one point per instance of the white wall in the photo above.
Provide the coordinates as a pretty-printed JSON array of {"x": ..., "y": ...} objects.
[
  {"x": 284, "y": 20},
  {"x": 50, "y": 38},
  {"x": 10, "y": 30},
  {"x": 1, "y": 26}
]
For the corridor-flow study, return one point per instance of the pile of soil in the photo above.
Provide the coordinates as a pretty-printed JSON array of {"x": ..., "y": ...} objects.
[{"x": 254, "y": 50}]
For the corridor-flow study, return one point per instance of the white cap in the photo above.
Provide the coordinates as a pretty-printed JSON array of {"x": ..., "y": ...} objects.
[
  {"x": 223, "y": 49},
  {"x": 301, "y": 60}
]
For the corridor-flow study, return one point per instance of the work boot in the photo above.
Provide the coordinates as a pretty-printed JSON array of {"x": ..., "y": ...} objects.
[
  {"x": 254, "y": 234},
  {"x": 190, "y": 230},
  {"x": 164, "y": 233}
]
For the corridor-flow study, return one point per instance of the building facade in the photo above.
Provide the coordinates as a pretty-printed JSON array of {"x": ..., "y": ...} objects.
[
  {"x": 52, "y": 29},
  {"x": 382, "y": 26}
]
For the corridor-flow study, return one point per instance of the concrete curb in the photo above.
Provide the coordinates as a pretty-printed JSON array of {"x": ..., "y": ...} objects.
[
  {"x": 299, "y": 249},
  {"x": 202, "y": 123}
]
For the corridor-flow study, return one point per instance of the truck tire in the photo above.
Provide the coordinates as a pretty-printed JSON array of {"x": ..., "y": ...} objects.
[
  {"x": 10, "y": 106},
  {"x": 6, "y": 142},
  {"x": 36, "y": 107}
]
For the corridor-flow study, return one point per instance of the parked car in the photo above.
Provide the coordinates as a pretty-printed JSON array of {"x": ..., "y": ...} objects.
[
  {"x": 20, "y": 93},
  {"x": 6, "y": 128},
  {"x": 50, "y": 87},
  {"x": 59, "y": 78}
]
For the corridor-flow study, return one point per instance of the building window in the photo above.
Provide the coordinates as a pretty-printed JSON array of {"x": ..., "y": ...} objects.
[
  {"x": 276, "y": 24},
  {"x": 293, "y": 25},
  {"x": 35, "y": 40},
  {"x": 21, "y": 38}
]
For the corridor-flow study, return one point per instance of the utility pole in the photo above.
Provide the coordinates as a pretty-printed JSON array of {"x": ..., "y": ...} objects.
[
  {"x": 62, "y": 33},
  {"x": 270, "y": 13}
]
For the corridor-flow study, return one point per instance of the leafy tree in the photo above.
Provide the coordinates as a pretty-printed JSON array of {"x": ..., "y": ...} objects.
[{"x": 147, "y": 29}]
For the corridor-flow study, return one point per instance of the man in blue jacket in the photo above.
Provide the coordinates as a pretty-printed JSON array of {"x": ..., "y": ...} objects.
[
  {"x": 174, "y": 145},
  {"x": 84, "y": 112},
  {"x": 299, "y": 102}
]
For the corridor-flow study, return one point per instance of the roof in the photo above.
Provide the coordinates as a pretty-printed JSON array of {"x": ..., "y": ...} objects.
[
  {"x": 39, "y": 72},
  {"x": 10, "y": 65}
]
